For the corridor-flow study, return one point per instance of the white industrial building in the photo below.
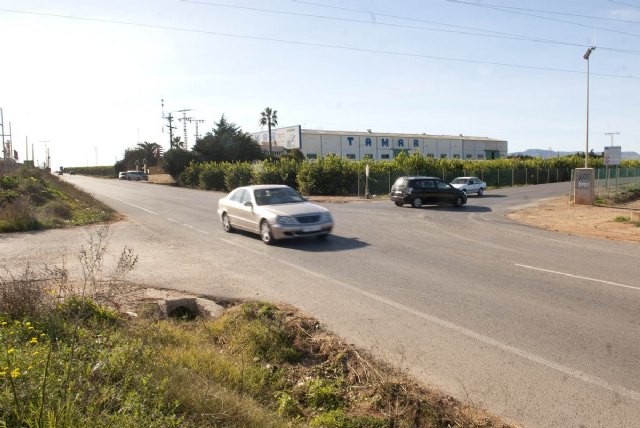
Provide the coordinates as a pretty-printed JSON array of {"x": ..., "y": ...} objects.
[{"x": 380, "y": 146}]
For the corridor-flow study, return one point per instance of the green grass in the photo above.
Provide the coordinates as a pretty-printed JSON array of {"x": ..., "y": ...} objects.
[
  {"x": 32, "y": 199},
  {"x": 81, "y": 364},
  {"x": 622, "y": 219},
  {"x": 625, "y": 219}
]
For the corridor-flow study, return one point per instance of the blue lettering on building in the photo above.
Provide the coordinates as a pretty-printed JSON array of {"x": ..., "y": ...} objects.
[
  {"x": 400, "y": 142},
  {"x": 367, "y": 142},
  {"x": 385, "y": 142},
  {"x": 350, "y": 139},
  {"x": 416, "y": 143}
]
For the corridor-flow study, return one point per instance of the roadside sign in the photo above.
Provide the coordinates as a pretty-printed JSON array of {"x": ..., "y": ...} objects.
[{"x": 612, "y": 155}]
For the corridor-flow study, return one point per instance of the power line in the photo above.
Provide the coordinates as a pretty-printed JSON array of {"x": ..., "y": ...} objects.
[
  {"x": 501, "y": 6},
  {"x": 507, "y": 10},
  {"x": 312, "y": 44},
  {"x": 551, "y": 12},
  {"x": 626, "y": 4},
  {"x": 472, "y": 31}
]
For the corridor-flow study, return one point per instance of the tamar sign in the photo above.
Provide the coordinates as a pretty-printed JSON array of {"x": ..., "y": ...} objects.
[{"x": 612, "y": 155}]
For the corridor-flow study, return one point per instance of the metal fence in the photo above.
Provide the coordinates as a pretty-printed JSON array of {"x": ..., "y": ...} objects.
[
  {"x": 380, "y": 183},
  {"x": 610, "y": 182}
]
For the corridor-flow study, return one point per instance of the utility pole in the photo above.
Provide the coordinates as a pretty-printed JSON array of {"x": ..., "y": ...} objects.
[
  {"x": 184, "y": 120},
  {"x": 46, "y": 153},
  {"x": 9, "y": 145},
  {"x": 611, "y": 134},
  {"x": 197, "y": 121},
  {"x": 169, "y": 118},
  {"x": 4, "y": 149}
]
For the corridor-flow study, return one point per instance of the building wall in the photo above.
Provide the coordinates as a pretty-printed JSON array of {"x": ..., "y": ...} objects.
[{"x": 357, "y": 146}]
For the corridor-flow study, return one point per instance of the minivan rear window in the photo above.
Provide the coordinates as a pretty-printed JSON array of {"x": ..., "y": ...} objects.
[{"x": 400, "y": 182}]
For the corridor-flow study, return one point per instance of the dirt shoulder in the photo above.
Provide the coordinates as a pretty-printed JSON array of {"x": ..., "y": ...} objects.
[{"x": 583, "y": 220}]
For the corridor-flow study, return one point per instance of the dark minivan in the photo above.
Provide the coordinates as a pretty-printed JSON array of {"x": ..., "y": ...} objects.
[{"x": 419, "y": 191}]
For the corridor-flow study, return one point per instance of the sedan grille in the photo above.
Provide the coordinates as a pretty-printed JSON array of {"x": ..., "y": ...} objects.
[{"x": 306, "y": 219}]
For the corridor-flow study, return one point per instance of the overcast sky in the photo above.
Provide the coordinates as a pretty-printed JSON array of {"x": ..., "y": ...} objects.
[{"x": 85, "y": 78}]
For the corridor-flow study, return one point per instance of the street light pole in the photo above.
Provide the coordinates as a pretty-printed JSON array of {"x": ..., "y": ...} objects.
[
  {"x": 586, "y": 56},
  {"x": 612, "y": 134}
]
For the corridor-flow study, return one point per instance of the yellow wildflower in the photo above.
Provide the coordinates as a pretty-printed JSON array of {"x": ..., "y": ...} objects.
[
  {"x": 34, "y": 340},
  {"x": 15, "y": 373},
  {"x": 4, "y": 323},
  {"x": 10, "y": 351}
]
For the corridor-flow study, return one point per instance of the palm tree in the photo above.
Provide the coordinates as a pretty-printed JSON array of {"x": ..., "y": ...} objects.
[
  {"x": 149, "y": 152},
  {"x": 270, "y": 118}
]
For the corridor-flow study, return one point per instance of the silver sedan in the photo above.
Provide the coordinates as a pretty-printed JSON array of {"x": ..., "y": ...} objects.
[{"x": 274, "y": 211}]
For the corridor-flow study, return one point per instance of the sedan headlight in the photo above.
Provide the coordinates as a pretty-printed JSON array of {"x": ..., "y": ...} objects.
[
  {"x": 325, "y": 217},
  {"x": 285, "y": 219}
]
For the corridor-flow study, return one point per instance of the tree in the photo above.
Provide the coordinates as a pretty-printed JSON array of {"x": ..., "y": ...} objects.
[
  {"x": 176, "y": 160},
  {"x": 227, "y": 142},
  {"x": 270, "y": 118},
  {"x": 176, "y": 143},
  {"x": 132, "y": 158},
  {"x": 149, "y": 153},
  {"x": 295, "y": 154}
]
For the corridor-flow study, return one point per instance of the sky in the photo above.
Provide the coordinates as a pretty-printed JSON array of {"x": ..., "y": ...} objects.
[{"x": 84, "y": 79}]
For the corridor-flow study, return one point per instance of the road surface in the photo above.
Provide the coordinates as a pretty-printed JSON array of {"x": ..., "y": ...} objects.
[{"x": 539, "y": 327}]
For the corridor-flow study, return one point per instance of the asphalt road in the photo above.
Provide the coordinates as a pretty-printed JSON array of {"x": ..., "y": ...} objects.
[{"x": 539, "y": 327}]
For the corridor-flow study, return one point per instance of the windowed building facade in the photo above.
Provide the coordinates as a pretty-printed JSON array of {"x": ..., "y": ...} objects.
[{"x": 380, "y": 146}]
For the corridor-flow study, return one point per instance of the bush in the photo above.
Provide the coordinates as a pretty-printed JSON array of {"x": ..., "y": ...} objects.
[
  {"x": 59, "y": 210},
  {"x": 190, "y": 177},
  {"x": 24, "y": 296},
  {"x": 328, "y": 176},
  {"x": 257, "y": 329},
  {"x": 175, "y": 161},
  {"x": 238, "y": 174},
  {"x": 267, "y": 172},
  {"x": 212, "y": 176}
]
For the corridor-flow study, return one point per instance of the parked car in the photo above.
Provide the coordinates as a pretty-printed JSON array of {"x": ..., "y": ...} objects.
[
  {"x": 122, "y": 175},
  {"x": 60, "y": 172},
  {"x": 137, "y": 176},
  {"x": 469, "y": 185},
  {"x": 274, "y": 212},
  {"x": 72, "y": 172},
  {"x": 418, "y": 191}
]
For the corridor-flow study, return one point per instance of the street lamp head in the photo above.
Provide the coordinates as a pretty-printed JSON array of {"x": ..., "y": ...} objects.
[{"x": 588, "y": 52}]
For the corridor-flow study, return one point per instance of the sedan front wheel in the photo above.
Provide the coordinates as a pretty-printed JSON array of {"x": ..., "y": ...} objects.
[
  {"x": 417, "y": 203},
  {"x": 265, "y": 233},
  {"x": 226, "y": 224},
  {"x": 480, "y": 191}
]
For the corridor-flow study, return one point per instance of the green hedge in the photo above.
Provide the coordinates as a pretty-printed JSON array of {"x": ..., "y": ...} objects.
[
  {"x": 96, "y": 171},
  {"x": 333, "y": 175}
]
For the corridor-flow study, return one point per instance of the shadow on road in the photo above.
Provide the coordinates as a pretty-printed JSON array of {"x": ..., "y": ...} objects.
[
  {"x": 462, "y": 210},
  {"x": 331, "y": 243},
  {"x": 487, "y": 195}
]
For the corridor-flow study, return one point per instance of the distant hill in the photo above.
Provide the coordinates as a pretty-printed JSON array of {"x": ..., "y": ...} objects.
[{"x": 545, "y": 154}]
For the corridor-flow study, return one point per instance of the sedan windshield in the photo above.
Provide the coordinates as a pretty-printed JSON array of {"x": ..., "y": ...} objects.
[
  {"x": 278, "y": 195},
  {"x": 460, "y": 181}
]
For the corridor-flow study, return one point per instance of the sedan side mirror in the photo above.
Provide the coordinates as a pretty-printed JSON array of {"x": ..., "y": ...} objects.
[{"x": 248, "y": 204}]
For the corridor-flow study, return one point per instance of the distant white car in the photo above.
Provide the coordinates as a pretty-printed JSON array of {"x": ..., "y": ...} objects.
[
  {"x": 469, "y": 185},
  {"x": 136, "y": 176}
]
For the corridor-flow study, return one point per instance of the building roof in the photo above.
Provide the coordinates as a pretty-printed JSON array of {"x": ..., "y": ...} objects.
[{"x": 394, "y": 134}]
